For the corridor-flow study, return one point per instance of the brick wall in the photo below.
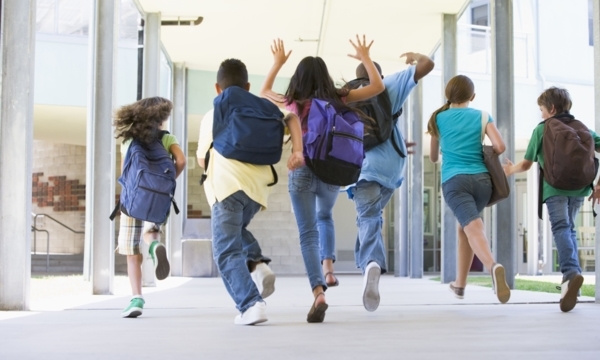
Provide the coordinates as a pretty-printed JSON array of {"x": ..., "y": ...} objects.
[
  {"x": 275, "y": 229},
  {"x": 58, "y": 190}
]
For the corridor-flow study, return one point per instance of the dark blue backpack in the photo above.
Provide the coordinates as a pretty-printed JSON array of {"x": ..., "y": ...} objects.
[
  {"x": 333, "y": 144},
  {"x": 147, "y": 182},
  {"x": 246, "y": 128}
]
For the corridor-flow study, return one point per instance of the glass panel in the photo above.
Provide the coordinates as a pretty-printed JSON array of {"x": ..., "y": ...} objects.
[
  {"x": 129, "y": 20},
  {"x": 45, "y": 16},
  {"x": 74, "y": 17},
  {"x": 166, "y": 81}
]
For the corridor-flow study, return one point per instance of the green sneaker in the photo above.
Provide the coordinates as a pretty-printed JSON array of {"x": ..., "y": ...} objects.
[
  {"x": 158, "y": 252},
  {"x": 135, "y": 308}
]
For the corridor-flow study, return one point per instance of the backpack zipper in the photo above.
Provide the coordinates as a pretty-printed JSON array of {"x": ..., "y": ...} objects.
[
  {"x": 346, "y": 135},
  {"x": 154, "y": 191}
]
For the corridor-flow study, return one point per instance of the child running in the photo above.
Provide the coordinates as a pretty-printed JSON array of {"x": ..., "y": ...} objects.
[
  {"x": 143, "y": 121},
  {"x": 313, "y": 199},
  {"x": 466, "y": 184}
]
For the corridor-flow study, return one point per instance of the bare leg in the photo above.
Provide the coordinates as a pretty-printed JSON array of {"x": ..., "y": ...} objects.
[
  {"x": 149, "y": 237},
  {"x": 465, "y": 259},
  {"x": 134, "y": 272},
  {"x": 475, "y": 232},
  {"x": 319, "y": 299},
  {"x": 328, "y": 268}
]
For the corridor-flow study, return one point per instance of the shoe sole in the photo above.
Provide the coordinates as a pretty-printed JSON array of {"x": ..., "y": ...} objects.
[
  {"x": 568, "y": 302},
  {"x": 371, "y": 292},
  {"x": 133, "y": 313},
  {"x": 455, "y": 294},
  {"x": 163, "y": 268},
  {"x": 268, "y": 285},
  {"x": 258, "y": 321},
  {"x": 318, "y": 314},
  {"x": 502, "y": 289}
]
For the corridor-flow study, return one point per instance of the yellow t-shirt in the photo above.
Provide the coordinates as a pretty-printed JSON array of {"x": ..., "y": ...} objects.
[{"x": 227, "y": 176}]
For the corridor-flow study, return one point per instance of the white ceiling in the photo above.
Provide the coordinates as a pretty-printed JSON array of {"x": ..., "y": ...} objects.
[{"x": 244, "y": 29}]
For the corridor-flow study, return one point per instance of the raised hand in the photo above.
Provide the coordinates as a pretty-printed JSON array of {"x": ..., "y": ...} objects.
[
  {"x": 411, "y": 57},
  {"x": 278, "y": 50},
  {"x": 361, "y": 47}
]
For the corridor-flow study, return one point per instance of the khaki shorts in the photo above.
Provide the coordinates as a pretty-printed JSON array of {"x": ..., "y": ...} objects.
[{"x": 131, "y": 231}]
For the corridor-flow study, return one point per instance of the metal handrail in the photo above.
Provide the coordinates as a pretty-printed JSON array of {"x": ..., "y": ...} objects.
[{"x": 35, "y": 230}]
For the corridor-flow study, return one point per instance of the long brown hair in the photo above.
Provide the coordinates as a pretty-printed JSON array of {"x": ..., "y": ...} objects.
[
  {"x": 458, "y": 90},
  {"x": 142, "y": 119}
]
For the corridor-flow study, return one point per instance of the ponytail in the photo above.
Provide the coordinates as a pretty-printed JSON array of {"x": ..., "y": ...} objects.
[{"x": 432, "y": 128}]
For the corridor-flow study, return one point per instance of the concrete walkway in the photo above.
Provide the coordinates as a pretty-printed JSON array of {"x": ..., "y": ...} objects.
[{"x": 417, "y": 319}]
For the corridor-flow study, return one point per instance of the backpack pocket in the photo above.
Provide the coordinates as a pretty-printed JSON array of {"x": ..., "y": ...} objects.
[
  {"x": 346, "y": 142},
  {"x": 151, "y": 200}
]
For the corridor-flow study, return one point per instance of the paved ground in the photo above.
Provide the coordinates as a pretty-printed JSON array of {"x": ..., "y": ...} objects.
[{"x": 417, "y": 319}]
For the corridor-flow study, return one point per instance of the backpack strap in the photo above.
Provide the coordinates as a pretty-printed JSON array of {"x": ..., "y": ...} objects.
[
  {"x": 397, "y": 114},
  {"x": 205, "y": 175},
  {"x": 114, "y": 213},
  {"x": 395, "y": 144},
  {"x": 540, "y": 191}
]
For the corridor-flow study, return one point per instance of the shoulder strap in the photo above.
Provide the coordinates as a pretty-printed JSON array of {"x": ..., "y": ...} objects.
[{"x": 484, "y": 121}]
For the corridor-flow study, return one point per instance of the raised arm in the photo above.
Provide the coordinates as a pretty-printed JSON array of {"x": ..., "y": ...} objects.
[
  {"x": 424, "y": 64},
  {"x": 279, "y": 58},
  {"x": 375, "y": 86}
]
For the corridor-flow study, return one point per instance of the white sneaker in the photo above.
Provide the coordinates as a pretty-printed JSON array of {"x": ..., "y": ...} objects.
[
  {"x": 371, "y": 286},
  {"x": 255, "y": 314},
  {"x": 264, "y": 278},
  {"x": 568, "y": 292}
]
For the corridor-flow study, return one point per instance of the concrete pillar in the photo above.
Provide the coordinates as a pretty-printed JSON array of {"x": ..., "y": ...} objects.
[
  {"x": 401, "y": 232},
  {"x": 17, "y": 49},
  {"x": 449, "y": 224},
  {"x": 150, "y": 87},
  {"x": 596, "y": 10},
  {"x": 179, "y": 125},
  {"x": 416, "y": 184},
  {"x": 503, "y": 113},
  {"x": 100, "y": 147}
]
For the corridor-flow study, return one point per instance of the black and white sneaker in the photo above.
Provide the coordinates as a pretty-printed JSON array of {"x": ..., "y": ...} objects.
[{"x": 568, "y": 292}]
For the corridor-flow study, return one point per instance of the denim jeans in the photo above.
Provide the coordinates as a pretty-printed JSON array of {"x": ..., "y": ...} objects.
[
  {"x": 563, "y": 211},
  {"x": 370, "y": 198},
  {"x": 313, "y": 202},
  {"x": 467, "y": 195},
  {"x": 234, "y": 245}
]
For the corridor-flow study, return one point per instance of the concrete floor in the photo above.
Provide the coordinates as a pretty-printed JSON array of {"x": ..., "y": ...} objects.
[{"x": 417, "y": 319}]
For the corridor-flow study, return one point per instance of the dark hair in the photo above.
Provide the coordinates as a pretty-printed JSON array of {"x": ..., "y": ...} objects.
[
  {"x": 232, "y": 72},
  {"x": 311, "y": 80},
  {"x": 557, "y": 97},
  {"x": 142, "y": 119},
  {"x": 361, "y": 72},
  {"x": 458, "y": 90}
]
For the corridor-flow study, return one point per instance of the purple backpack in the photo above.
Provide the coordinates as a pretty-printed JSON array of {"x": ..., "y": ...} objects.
[{"x": 333, "y": 144}]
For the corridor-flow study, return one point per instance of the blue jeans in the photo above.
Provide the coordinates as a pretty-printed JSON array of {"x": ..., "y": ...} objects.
[
  {"x": 563, "y": 211},
  {"x": 234, "y": 245},
  {"x": 313, "y": 202},
  {"x": 370, "y": 198}
]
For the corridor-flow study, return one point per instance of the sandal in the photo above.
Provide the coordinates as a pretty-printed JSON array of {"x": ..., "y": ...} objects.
[
  {"x": 317, "y": 313},
  {"x": 335, "y": 283}
]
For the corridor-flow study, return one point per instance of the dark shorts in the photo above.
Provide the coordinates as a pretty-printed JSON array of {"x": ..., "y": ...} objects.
[{"x": 467, "y": 195}]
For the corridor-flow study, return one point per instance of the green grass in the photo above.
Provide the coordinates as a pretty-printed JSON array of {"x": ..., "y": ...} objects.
[{"x": 528, "y": 285}]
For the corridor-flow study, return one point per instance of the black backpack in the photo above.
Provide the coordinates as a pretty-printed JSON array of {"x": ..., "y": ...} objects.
[{"x": 379, "y": 108}]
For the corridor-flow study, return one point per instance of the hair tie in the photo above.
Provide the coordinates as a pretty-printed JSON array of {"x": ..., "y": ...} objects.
[{"x": 448, "y": 102}]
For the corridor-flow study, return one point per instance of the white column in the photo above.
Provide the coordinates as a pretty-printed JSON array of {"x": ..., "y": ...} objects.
[
  {"x": 449, "y": 227},
  {"x": 596, "y": 10},
  {"x": 150, "y": 87},
  {"x": 503, "y": 112},
  {"x": 179, "y": 125},
  {"x": 17, "y": 49},
  {"x": 401, "y": 258},
  {"x": 101, "y": 149},
  {"x": 416, "y": 184}
]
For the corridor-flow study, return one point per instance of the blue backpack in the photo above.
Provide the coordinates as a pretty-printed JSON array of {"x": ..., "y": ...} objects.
[
  {"x": 333, "y": 144},
  {"x": 246, "y": 128},
  {"x": 148, "y": 182}
]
